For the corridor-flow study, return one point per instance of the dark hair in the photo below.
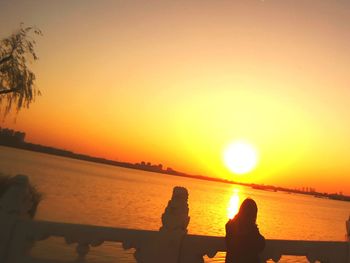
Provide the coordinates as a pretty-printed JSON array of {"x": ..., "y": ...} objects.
[{"x": 248, "y": 211}]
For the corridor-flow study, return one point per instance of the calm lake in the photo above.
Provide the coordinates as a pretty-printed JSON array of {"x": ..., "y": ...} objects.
[{"x": 88, "y": 193}]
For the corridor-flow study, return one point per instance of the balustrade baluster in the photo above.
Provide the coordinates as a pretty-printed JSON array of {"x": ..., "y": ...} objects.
[
  {"x": 82, "y": 250},
  {"x": 347, "y": 224}
]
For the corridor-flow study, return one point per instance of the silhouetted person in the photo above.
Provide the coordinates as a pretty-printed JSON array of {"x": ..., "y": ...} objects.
[{"x": 243, "y": 240}]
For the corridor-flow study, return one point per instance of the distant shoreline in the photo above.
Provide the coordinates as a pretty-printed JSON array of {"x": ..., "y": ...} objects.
[
  {"x": 148, "y": 167},
  {"x": 138, "y": 166}
]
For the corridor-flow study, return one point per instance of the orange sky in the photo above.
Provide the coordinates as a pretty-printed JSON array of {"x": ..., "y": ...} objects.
[{"x": 175, "y": 82}]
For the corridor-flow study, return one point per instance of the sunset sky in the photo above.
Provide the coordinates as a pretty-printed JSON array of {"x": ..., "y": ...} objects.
[{"x": 175, "y": 82}]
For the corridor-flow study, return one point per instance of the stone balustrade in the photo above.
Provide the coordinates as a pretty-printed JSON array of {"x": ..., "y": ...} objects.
[{"x": 170, "y": 244}]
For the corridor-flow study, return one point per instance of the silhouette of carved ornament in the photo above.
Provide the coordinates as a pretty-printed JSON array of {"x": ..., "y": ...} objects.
[
  {"x": 211, "y": 253},
  {"x": 166, "y": 245},
  {"x": 16, "y": 200},
  {"x": 323, "y": 257},
  {"x": 82, "y": 250},
  {"x": 127, "y": 244},
  {"x": 275, "y": 256},
  {"x": 311, "y": 257},
  {"x": 83, "y": 245},
  {"x": 175, "y": 217}
]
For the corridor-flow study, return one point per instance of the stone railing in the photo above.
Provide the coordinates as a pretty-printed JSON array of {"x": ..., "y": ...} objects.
[{"x": 170, "y": 244}]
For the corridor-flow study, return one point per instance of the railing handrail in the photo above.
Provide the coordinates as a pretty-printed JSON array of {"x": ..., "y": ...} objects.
[
  {"x": 193, "y": 246},
  {"x": 55, "y": 229}
]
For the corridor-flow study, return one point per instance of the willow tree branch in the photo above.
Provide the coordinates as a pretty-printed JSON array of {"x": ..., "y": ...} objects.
[
  {"x": 5, "y": 59},
  {"x": 10, "y": 56},
  {"x": 5, "y": 91}
]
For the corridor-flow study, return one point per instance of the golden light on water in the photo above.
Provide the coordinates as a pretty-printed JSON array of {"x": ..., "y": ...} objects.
[{"x": 233, "y": 206}]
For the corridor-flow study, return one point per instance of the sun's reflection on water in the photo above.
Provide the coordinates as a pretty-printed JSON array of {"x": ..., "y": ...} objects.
[{"x": 234, "y": 203}]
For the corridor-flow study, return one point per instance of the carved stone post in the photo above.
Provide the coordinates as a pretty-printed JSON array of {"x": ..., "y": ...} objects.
[
  {"x": 16, "y": 199},
  {"x": 348, "y": 237},
  {"x": 166, "y": 245},
  {"x": 347, "y": 223},
  {"x": 14, "y": 204}
]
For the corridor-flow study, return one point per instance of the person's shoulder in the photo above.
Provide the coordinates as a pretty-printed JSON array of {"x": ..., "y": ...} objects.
[
  {"x": 257, "y": 229},
  {"x": 259, "y": 234}
]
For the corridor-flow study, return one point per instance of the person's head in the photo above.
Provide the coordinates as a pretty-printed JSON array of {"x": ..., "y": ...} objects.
[{"x": 248, "y": 211}]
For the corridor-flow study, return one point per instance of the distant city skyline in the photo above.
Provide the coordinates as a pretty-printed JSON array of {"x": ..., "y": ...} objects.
[{"x": 176, "y": 82}]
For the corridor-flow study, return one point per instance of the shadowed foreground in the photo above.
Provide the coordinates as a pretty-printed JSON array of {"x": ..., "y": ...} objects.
[{"x": 171, "y": 242}]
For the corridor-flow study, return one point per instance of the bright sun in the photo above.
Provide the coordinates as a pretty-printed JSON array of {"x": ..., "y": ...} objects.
[{"x": 240, "y": 157}]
